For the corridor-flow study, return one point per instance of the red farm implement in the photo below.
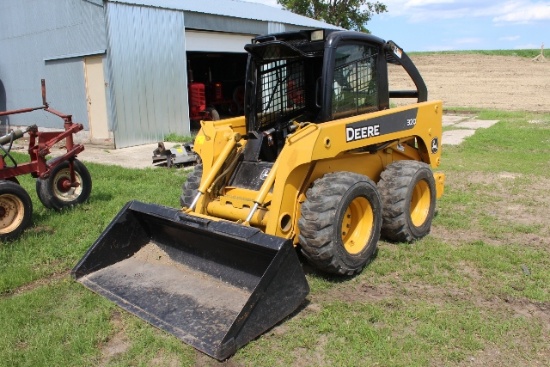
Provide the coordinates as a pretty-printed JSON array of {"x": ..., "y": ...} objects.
[{"x": 60, "y": 182}]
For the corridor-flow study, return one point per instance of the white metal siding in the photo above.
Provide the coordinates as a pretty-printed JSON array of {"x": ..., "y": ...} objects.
[
  {"x": 216, "y": 41},
  {"x": 147, "y": 73},
  {"x": 274, "y": 27}
]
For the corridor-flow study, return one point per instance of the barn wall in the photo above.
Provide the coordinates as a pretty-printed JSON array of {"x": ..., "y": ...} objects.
[
  {"x": 147, "y": 73},
  {"x": 44, "y": 39}
]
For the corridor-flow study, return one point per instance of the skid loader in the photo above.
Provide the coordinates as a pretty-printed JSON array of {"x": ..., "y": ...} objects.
[{"x": 320, "y": 164}]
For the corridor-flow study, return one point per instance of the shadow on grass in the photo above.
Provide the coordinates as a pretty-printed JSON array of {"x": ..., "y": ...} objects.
[{"x": 311, "y": 271}]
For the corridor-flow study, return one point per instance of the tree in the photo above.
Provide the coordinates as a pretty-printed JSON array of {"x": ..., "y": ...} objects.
[{"x": 348, "y": 14}]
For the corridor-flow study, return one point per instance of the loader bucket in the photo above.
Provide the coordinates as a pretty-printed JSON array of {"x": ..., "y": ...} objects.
[{"x": 215, "y": 285}]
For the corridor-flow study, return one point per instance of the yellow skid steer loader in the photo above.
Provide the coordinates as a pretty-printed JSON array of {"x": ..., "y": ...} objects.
[{"x": 320, "y": 163}]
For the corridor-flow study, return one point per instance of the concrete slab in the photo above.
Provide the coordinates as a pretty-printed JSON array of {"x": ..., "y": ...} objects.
[
  {"x": 465, "y": 126},
  {"x": 476, "y": 124},
  {"x": 133, "y": 157},
  {"x": 449, "y": 120},
  {"x": 455, "y": 137}
]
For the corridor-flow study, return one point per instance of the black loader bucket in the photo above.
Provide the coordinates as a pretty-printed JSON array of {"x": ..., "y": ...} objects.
[{"x": 215, "y": 285}]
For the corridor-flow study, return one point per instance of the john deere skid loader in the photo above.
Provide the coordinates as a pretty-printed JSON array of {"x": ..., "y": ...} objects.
[{"x": 320, "y": 163}]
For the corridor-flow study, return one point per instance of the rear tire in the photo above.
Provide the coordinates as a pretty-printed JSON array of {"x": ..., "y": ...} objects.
[
  {"x": 190, "y": 188},
  {"x": 53, "y": 191},
  {"x": 15, "y": 210},
  {"x": 340, "y": 222},
  {"x": 408, "y": 196}
]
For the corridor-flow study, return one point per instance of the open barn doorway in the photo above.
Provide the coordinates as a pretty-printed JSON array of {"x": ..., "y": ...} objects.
[{"x": 216, "y": 85}]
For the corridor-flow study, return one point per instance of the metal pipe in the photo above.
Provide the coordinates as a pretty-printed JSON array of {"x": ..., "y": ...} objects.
[
  {"x": 213, "y": 172},
  {"x": 264, "y": 190},
  {"x": 219, "y": 209},
  {"x": 195, "y": 200},
  {"x": 11, "y": 136},
  {"x": 252, "y": 211}
]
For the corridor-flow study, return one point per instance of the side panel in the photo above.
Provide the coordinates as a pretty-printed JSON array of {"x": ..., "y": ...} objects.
[
  {"x": 330, "y": 146},
  {"x": 422, "y": 120},
  {"x": 213, "y": 136},
  {"x": 148, "y": 79}
]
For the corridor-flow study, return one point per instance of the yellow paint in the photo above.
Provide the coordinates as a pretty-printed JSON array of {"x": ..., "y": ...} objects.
[{"x": 309, "y": 153}]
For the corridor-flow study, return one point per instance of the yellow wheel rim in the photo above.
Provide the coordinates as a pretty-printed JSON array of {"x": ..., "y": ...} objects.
[
  {"x": 420, "y": 203},
  {"x": 12, "y": 212},
  {"x": 357, "y": 225}
]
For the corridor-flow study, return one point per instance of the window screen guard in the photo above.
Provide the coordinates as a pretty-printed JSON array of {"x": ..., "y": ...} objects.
[
  {"x": 355, "y": 87},
  {"x": 280, "y": 92}
]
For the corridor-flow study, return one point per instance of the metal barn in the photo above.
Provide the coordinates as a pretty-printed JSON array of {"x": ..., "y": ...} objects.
[{"x": 122, "y": 68}]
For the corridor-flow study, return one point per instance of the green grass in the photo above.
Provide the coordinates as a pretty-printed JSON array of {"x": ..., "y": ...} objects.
[
  {"x": 514, "y": 145},
  {"x": 476, "y": 289},
  {"x": 175, "y": 138},
  {"x": 57, "y": 240},
  {"x": 379, "y": 334},
  {"x": 56, "y": 325}
]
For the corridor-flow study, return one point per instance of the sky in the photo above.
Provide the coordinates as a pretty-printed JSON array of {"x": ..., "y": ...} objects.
[{"x": 444, "y": 25}]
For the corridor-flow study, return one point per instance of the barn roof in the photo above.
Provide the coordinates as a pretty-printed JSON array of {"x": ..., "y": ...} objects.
[{"x": 233, "y": 8}]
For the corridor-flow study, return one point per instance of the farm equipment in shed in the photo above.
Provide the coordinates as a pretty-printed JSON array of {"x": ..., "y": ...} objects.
[
  {"x": 198, "y": 107},
  {"x": 319, "y": 163},
  {"x": 61, "y": 182},
  {"x": 207, "y": 99}
]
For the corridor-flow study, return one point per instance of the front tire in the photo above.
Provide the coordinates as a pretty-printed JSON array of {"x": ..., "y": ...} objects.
[
  {"x": 408, "y": 198},
  {"x": 340, "y": 222},
  {"x": 15, "y": 210},
  {"x": 191, "y": 187},
  {"x": 55, "y": 191}
]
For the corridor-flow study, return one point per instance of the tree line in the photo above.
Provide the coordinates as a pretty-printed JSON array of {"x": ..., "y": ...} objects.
[{"x": 348, "y": 14}]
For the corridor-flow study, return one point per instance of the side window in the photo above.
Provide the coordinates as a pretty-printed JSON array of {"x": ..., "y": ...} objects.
[{"x": 355, "y": 88}]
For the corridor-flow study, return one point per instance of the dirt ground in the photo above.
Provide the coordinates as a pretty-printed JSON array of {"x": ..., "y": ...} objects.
[{"x": 482, "y": 81}]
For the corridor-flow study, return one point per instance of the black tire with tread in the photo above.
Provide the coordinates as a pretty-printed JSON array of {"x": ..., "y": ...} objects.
[
  {"x": 322, "y": 214},
  {"x": 190, "y": 188},
  {"x": 15, "y": 210},
  {"x": 52, "y": 198},
  {"x": 397, "y": 186}
]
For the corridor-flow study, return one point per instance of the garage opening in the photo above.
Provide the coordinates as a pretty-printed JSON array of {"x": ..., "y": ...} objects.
[{"x": 216, "y": 85}]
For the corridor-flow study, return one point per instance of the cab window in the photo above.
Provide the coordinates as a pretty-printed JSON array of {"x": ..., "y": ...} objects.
[{"x": 355, "y": 88}]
